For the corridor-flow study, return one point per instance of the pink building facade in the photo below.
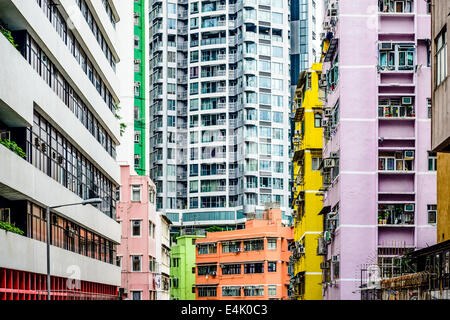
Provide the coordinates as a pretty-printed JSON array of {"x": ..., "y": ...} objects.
[
  {"x": 138, "y": 253},
  {"x": 380, "y": 176}
]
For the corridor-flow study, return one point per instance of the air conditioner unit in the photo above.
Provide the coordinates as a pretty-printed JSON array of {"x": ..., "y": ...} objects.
[
  {"x": 5, "y": 215},
  {"x": 136, "y": 223},
  {"x": 325, "y": 123},
  {"x": 5, "y": 135},
  {"x": 334, "y": 155},
  {"x": 301, "y": 250},
  {"x": 335, "y": 258},
  {"x": 409, "y": 155},
  {"x": 329, "y": 163},
  {"x": 406, "y": 100},
  {"x": 326, "y": 25},
  {"x": 327, "y": 112},
  {"x": 409, "y": 207},
  {"x": 385, "y": 46}
]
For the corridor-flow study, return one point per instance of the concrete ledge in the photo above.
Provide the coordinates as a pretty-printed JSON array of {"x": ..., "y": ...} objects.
[
  {"x": 22, "y": 253},
  {"x": 21, "y": 180}
]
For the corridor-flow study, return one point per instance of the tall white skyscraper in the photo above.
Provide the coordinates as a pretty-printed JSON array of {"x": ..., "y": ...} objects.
[{"x": 219, "y": 96}]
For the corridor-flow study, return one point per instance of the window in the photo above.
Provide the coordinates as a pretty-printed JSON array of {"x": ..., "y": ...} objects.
[
  {"x": 136, "y": 295},
  {"x": 432, "y": 213},
  {"x": 264, "y": 82},
  {"x": 317, "y": 120},
  {"x": 272, "y": 244},
  {"x": 277, "y": 18},
  {"x": 441, "y": 56},
  {"x": 254, "y": 245},
  {"x": 430, "y": 110},
  {"x": 136, "y": 228},
  {"x": 254, "y": 268},
  {"x": 137, "y": 160},
  {"x": 207, "y": 248},
  {"x": 207, "y": 291},
  {"x": 254, "y": 291},
  {"x": 272, "y": 290},
  {"x": 272, "y": 266},
  {"x": 136, "y": 263},
  {"x": 137, "y": 136},
  {"x": 432, "y": 161},
  {"x": 119, "y": 261},
  {"x": 136, "y": 193},
  {"x": 231, "y": 291},
  {"x": 151, "y": 229},
  {"x": 277, "y": 116},
  {"x": 315, "y": 163},
  {"x": 207, "y": 270},
  {"x": 277, "y": 52},
  {"x": 152, "y": 264},
  {"x": 228, "y": 247}
]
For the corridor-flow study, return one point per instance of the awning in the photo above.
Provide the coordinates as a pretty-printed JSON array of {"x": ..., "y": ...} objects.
[{"x": 325, "y": 210}]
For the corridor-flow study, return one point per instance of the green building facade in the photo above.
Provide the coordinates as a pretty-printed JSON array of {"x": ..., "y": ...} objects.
[
  {"x": 182, "y": 268},
  {"x": 140, "y": 159}
]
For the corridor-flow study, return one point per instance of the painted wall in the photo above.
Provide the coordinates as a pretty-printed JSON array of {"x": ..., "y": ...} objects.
[
  {"x": 270, "y": 228},
  {"x": 145, "y": 244}
]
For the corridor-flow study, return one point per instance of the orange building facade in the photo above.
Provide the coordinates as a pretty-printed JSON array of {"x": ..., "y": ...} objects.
[{"x": 245, "y": 264}]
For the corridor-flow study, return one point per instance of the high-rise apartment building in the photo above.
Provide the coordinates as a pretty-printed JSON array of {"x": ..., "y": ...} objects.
[
  {"x": 440, "y": 114},
  {"x": 141, "y": 92},
  {"x": 380, "y": 191},
  {"x": 58, "y": 97},
  {"x": 306, "y": 26},
  {"x": 219, "y": 96},
  {"x": 308, "y": 194}
]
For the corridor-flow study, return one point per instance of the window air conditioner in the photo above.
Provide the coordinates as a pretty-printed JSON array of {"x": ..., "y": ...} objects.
[
  {"x": 328, "y": 163},
  {"x": 325, "y": 123},
  {"x": 385, "y": 46},
  {"x": 409, "y": 155},
  {"x": 334, "y": 155},
  {"x": 335, "y": 258},
  {"x": 406, "y": 100},
  {"x": 301, "y": 250},
  {"x": 327, "y": 112},
  {"x": 326, "y": 25}
]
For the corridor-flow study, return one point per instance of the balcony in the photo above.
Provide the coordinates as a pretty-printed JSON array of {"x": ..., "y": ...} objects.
[{"x": 396, "y": 215}]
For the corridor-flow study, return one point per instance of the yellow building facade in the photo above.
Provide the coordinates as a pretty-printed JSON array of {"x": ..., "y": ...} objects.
[{"x": 307, "y": 185}]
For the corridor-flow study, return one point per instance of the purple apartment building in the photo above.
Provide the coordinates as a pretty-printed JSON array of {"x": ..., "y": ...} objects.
[{"x": 379, "y": 174}]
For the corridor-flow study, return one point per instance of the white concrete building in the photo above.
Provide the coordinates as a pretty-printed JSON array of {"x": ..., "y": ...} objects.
[
  {"x": 58, "y": 91},
  {"x": 219, "y": 109}
]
